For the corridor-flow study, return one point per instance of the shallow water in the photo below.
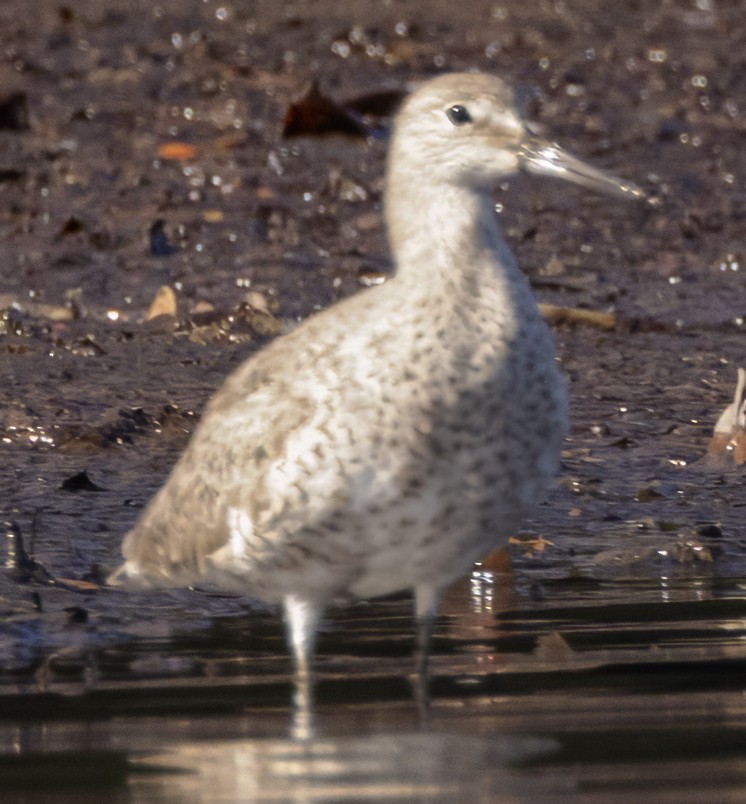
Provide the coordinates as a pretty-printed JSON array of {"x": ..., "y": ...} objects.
[
  {"x": 610, "y": 662},
  {"x": 596, "y": 693}
]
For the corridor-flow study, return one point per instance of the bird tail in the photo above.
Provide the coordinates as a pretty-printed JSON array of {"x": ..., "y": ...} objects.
[
  {"x": 126, "y": 575},
  {"x": 132, "y": 576}
]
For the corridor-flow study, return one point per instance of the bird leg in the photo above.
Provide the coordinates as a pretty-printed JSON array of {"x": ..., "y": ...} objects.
[
  {"x": 301, "y": 618},
  {"x": 426, "y": 606}
]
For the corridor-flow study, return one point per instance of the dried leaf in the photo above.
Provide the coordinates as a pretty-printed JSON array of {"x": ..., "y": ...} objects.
[
  {"x": 14, "y": 112},
  {"x": 377, "y": 104},
  {"x": 54, "y": 312},
  {"x": 735, "y": 414},
  {"x": 578, "y": 315},
  {"x": 23, "y": 567},
  {"x": 72, "y": 225},
  {"x": 532, "y": 545},
  {"x": 258, "y": 301},
  {"x": 229, "y": 141},
  {"x": 317, "y": 114},
  {"x": 728, "y": 443},
  {"x": 77, "y": 586},
  {"x": 177, "y": 151},
  {"x": 552, "y": 647},
  {"x": 160, "y": 246},
  {"x": 164, "y": 303},
  {"x": 79, "y": 482},
  {"x": 202, "y": 306}
]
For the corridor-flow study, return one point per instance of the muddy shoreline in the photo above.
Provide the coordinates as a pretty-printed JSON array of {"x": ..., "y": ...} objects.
[{"x": 90, "y": 95}]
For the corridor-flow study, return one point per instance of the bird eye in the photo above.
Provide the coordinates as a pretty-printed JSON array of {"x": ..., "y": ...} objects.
[{"x": 458, "y": 115}]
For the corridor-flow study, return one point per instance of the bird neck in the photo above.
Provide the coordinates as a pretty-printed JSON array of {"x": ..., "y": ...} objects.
[{"x": 447, "y": 237}]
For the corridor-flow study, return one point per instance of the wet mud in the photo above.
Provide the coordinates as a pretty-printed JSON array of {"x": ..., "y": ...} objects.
[{"x": 141, "y": 146}]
